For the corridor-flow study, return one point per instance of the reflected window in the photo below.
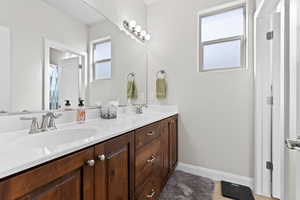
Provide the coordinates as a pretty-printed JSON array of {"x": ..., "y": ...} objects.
[
  {"x": 102, "y": 59},
  {"x": 222, "y": 39}
]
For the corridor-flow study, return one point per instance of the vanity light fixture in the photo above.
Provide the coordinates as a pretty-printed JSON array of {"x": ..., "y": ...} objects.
[{"x": 136, "y": 32}]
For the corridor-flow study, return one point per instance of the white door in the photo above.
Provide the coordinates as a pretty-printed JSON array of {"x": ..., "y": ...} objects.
[
  {"x": 69, "y": 84},
  {"x": 263, "y": 81},
  {"x": 269, "y": 174},
  {"x": 278, "y": 108},
  {"x": 293, "y": 158}
]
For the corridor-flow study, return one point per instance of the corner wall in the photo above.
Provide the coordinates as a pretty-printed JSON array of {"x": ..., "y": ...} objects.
[{"x": 216, "y": 108}]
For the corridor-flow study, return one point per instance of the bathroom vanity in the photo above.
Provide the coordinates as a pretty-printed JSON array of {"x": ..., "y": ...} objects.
[
  {"x": 131, "y": 165},
  {"x": 72, "y": 52}
]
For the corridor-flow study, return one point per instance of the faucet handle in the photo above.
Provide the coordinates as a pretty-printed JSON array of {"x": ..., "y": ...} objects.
[
  {"x": 53, "y": 116},
  {"x": 56, "y": 116},
  {"x": 34, "y": 128}
]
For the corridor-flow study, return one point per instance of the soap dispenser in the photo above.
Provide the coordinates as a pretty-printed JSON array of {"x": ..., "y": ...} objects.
[
  {"x": 68, "y": 105},
  {"x": 81, "y": 114}
]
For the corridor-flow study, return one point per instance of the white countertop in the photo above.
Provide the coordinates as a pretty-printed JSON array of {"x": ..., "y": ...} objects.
[{"x": 20, "y": 151}]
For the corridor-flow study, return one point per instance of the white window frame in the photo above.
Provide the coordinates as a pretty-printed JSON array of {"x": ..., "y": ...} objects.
[
  {"x": 93, "y": 62},
  {"x": 243, "y": 38}
]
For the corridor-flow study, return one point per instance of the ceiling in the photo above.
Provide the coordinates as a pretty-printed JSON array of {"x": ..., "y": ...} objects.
[{"x": 78, "y": 10}]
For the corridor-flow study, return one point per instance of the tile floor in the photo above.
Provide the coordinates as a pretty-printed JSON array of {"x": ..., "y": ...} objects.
[{"x": 218, "y": 194}]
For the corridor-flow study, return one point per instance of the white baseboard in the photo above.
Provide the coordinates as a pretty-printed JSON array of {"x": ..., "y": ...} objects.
[{"x": 216, "y": 175}]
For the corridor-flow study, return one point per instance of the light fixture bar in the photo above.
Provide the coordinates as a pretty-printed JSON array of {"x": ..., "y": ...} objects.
[{"x": 136, "y": 31}]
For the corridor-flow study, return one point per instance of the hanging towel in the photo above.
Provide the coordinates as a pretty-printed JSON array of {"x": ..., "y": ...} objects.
[
  {"x": 161, "y": 88},
  {"x": 131, "y": 90}
]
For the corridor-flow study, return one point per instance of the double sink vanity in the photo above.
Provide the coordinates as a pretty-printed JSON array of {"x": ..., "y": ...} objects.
[{"x": 130, "y": 157}]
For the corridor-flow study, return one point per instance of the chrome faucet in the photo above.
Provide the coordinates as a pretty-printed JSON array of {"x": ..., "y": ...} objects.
[
  {"x": 34, "y": 128},
  {"x": 48, "y": 123}
]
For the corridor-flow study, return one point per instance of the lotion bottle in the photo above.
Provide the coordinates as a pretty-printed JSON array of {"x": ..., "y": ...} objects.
[{"x": 81, "y": 114}]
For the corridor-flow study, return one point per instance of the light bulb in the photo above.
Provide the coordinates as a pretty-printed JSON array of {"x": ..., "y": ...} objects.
[
  {"x": 143, "y": 33},
  {"x": 138, "y": 29},
  {"x": 132, "y": 24},
  {"x": 148, "y": 37}
]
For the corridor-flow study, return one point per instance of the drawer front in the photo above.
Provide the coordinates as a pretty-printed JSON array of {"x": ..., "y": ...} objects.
[
  {"x": 150, "y": 190},
  {"x": 148, "y": 161},
  {"x": 146, "y": 134}
]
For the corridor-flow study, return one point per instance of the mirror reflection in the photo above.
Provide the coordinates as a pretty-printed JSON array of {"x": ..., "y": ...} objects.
[
  {"x": 62, "y": 52},
  {"x": 64, "y": 73}
]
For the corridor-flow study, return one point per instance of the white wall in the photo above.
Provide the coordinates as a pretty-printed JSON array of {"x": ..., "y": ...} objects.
[
  {"x": 258, "y": 2},
  {"x": 4, "y": 69},
  {"x": 216, "y": 108},
  {"x": 127, "y": 56},
  {"x": 30, "y": 21},
  {"x": 117, "y": 10}
]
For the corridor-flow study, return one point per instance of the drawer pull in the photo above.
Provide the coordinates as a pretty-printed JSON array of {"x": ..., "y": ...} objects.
[
  {"x": 149, "y": 196},
  {"x": 151, "y": 133},
  {"x": 151, "y": 160},
  {"x": 90, "y": 163},
  {"x": 101, "y": 157}
]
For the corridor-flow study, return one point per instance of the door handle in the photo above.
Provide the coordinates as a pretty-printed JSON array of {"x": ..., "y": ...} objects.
[
  {"x": 151, "y": 133},
  {"x": 149, "y": 196},
  {"x": 151, "y": 160}
]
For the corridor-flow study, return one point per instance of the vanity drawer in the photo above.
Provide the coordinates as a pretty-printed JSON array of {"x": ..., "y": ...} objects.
[
  {"x": 150, "y": 190},
  {"x": 146, "y": 135},
  {"x": 148, "y": 161}
]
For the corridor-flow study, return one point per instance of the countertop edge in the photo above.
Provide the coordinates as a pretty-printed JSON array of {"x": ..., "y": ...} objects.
[{"x": 32, "y": 164}]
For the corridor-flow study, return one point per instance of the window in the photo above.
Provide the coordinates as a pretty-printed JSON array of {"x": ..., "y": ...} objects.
[
  {"x": 102, "y": 59},
  {"x": 222, "y": 39}
]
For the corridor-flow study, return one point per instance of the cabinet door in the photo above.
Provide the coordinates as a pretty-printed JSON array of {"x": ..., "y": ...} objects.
[
  {"x": 114, "y": 170},
  {"x": 165, "y": 150},
  {"x": 67, "y": 178},
  {"x": 173, "y": 138}
]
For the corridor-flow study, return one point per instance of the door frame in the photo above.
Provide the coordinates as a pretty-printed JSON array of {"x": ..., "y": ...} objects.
[
  {"x": 48, "y": 44},
  {"x": 264, "y": 150}
]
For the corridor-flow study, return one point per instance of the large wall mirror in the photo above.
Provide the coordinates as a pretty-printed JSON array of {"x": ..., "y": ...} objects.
[{"x": 55, "y": 53}]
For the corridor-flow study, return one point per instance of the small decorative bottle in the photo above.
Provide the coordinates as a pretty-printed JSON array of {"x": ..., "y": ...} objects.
[{"x": 81, "y": 112}]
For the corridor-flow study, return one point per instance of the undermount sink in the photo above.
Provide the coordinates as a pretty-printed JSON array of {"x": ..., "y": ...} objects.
[{"x": 55, "y": 138}]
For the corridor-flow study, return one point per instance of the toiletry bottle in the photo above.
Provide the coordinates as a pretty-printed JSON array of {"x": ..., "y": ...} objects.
[
  {"x": 67, "y": 105},
  {"x": 81, "y": 112}
]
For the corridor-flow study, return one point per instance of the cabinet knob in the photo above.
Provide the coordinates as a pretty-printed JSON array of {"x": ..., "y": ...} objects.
[
  {"x": 90, "y": 163},
  {"x": 149, "y": 196},
  {"x": 101, "y": 157}
]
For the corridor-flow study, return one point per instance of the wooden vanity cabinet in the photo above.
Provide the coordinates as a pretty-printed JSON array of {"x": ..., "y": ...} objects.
[
  {"x": 165, "y": 151},
  {"x": 67, "y": 178},
  {"x": 169, "y": 129},
  {"x": 114, "y": 169},
  {"x": 156, "y": 157},
  {"x": 173, "y": 139},
  {"x": 133, "y": 166}
]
